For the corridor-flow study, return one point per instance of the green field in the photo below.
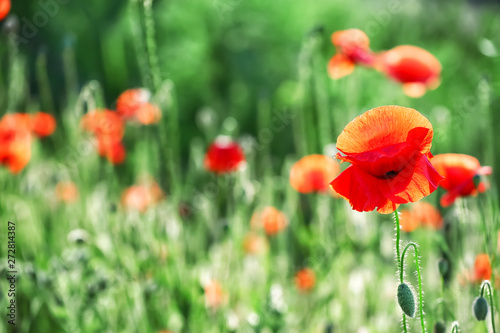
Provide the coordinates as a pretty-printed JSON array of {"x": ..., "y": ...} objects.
[{"x": 255, "y": 71}]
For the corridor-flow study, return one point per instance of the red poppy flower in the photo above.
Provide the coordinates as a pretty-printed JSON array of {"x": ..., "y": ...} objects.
[
  {"x": 134, "y": 104},
  {"x": 414, "y": 67},
  {"x": 462, "y": 176},
  {"x": 66, "y": 191},
  {"x": 388, "y": 148},
  {"x": 4, "y": 8},
  {"x": 142, "y": 196},
  {"x": 109, "y": 129},
  {"x": 421, "y": 214},
  {"x": 43, "y": 124},
  {"x": 353, "y": 47},
  {"x": 482, "y": 268},
  {"x": 305, "y": 280},
  {"x": 224, "y": 156},
  {"x": 313, "y": 173},
  {"x": 255, "y": 244},
  {"x": 215, "y": 295},
  {"x": 15, "y": 141},
  {"x": 272, "y": 220}
]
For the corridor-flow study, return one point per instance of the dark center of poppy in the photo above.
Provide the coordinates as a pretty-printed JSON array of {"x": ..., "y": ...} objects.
[{"x": 390, "y": 174}]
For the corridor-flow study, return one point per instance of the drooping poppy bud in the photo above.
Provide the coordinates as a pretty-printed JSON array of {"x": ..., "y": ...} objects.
[
  {"x": 406, "y": 299},
  {"x": 480, "y": 308}
]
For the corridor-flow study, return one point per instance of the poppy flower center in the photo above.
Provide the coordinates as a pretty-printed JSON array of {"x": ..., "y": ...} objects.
[{"x": 390, "y": 174}]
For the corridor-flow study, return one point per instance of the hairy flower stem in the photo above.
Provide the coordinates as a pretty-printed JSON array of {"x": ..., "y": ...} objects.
[
  {"x": 487, "y": 283},
  {"x": 398, "y": 258},
  {"x": 455, "y": 327},
  {"x": 419, "y": 275}
]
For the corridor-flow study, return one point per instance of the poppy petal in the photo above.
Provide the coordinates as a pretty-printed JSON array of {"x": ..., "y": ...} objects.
[
  {"x": 340, "y": 66},
  {"x": 360, "y": 189},
  {"x": 414, "y": 89},
  {"x": 417, "y": 180},
  {"x": 385, "y": 126}
]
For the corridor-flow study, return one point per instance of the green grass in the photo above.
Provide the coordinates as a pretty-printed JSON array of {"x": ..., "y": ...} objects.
[{"x": 236, "y": 67}]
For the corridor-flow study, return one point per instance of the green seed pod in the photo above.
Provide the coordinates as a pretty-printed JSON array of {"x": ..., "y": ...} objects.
[
  {"x": 443, "y": 266},
  {"x": 406, "y": 299},
  {"x": 480, "y": 308},
  {"x": 439, "y": 327}
]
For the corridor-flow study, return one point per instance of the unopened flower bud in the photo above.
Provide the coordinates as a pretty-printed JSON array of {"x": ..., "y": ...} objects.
[
  {"x": 406, "y": 299},
  {"x": 480, "y": 308}
]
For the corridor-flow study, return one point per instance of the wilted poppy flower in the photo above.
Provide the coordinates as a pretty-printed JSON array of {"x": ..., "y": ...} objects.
[
  {"x": 141, "y": 197},
  {"x": 134, "y": 104},
  {"x": 462, "y": 176},
  {"x": 214, "y": 294},
  {"x": 255, "y": 244},
  {"x": 43, "y": 124},
  {"x": 270, "y": 219},
  {"x": 388, "y": 148},
  {"x": 353, "y": 47},
  {"x": 414, "y": 67},
  {"x": 224, "y": 156},
  {"x": 4, "y": 8},
  {"x": 313, "y": 173},
  {"x": 421, "y": 214},
  {"x": 66, "y": 191},
  {"x": 305, "y": 280}
]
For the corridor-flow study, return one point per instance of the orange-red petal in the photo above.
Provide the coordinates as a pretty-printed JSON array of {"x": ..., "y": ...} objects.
[{"x": 386, "y": 126}]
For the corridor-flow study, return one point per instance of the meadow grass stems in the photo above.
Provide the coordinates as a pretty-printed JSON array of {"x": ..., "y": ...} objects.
[
  {"x": 70, "y": 70},
  {"x": 137, "y": 33},
  {"x": 149, "y": 27},
  {"x": 42, "y": 76}
]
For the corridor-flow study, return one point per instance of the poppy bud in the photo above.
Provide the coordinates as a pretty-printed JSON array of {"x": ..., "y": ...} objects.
[
  {"x": 480, "y": 308},
  {"x": 439, "y": 327},
  {"x": 476, "y": 180},
  {"x": 406, "y": 299},
  {"x": 443, "y": 266}
]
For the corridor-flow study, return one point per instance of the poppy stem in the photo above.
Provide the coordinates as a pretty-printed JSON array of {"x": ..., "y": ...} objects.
[
  {"x": 396, "y": 216},
  {"x": 419, "y": 275},
  {"x": 149, "y": 25},
  {"x": 396, "y": 220},
  {"x": 455, "y": 327},
  {"x": 488, "y": 284}
]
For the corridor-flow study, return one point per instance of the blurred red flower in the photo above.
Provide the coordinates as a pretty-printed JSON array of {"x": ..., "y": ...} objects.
[
  {"x": 417, "y": 69},
  {"x": 224, "y": 156},
  {"x": 462, "y": 176},
  {"x": 270, "y": 219},
  {"x": 482, "y": 268},
  {"x": 388, "y": 148},
  {"x": 142, "y": 196},
  {"x": 43, "y": 124},
  {"x": 305, "y": 280},
  {"x": 134, "y": 104},
  {"x": 67, "y": 192},
  {"x": 214, "y": 294},
  {"x": 4, "y": 8},
  {"x": 16, "y": 134},
  {"x": 353, "y": 47},
  {"x": 313, "y": 173},
  {"x": 253, "y": 243},
  {"x": 421, "y": 214},
  {"x": 109, "y": 129}
]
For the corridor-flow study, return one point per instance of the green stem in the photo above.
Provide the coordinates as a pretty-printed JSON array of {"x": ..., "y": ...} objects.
[
  {"x": 488, "y": 284},
  {"x": 396, "y": 221},
  {"x": 419, "y": 275},
  {"x": 149, "y": 24},
  {"x": 455, "y": 327},
  {"x": 396, "y": 215}
]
